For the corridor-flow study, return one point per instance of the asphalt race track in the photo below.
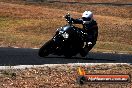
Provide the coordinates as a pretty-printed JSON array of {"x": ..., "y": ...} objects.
[{"x": 26, "y": 56}]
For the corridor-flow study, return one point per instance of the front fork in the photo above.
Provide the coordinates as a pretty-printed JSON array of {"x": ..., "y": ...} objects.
[{"x": 58, "y": 39}]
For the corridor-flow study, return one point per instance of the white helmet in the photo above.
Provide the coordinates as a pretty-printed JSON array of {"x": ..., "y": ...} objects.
[{"x": 87, "y": 17}]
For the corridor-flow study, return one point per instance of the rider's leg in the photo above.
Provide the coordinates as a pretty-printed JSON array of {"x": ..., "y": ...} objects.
[{"x": 84, "y": 51}]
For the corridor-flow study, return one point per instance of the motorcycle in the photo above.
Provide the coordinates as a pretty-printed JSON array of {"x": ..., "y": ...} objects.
[{"x": 68, "y": 41}]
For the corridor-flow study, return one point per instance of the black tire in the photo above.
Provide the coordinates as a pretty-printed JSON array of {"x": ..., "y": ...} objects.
[
  {"x": 46, "y": 49},
  {"x": 67, "y": 55},
  {"x": 83, "y": 53},
  {"x": 81, "y": 80}
]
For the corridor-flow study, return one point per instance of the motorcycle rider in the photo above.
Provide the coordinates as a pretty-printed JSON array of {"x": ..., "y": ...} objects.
[{"x": 90, "y": 27}]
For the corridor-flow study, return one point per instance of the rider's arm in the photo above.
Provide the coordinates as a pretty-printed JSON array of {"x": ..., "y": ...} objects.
[
  {"x": 77, "y": 21},
  {"x": 74, "y": 21}
]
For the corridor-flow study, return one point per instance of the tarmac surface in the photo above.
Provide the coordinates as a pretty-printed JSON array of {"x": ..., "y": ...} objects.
[{"x": 27, "y": 56}]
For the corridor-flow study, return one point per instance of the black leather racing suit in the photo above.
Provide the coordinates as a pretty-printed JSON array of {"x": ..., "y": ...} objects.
[{"x": 91, "y": 29}]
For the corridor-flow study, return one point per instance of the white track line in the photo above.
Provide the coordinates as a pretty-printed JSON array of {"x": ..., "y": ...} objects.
[{"x": 53, "y": 65}]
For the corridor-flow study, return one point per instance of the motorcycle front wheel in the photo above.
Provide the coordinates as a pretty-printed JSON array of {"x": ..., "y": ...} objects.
[{"x": 46, "y": 49}]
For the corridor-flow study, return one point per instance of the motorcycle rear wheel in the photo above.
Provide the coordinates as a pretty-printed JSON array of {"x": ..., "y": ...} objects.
[{"x": 46, "y": 49}]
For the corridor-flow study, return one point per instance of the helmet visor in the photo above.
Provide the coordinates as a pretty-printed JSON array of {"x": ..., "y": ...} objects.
[{"x": 86, "y": 19}]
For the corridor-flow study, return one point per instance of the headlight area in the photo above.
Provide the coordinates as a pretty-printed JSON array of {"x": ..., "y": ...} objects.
[{"x": 65, "y": 35}]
